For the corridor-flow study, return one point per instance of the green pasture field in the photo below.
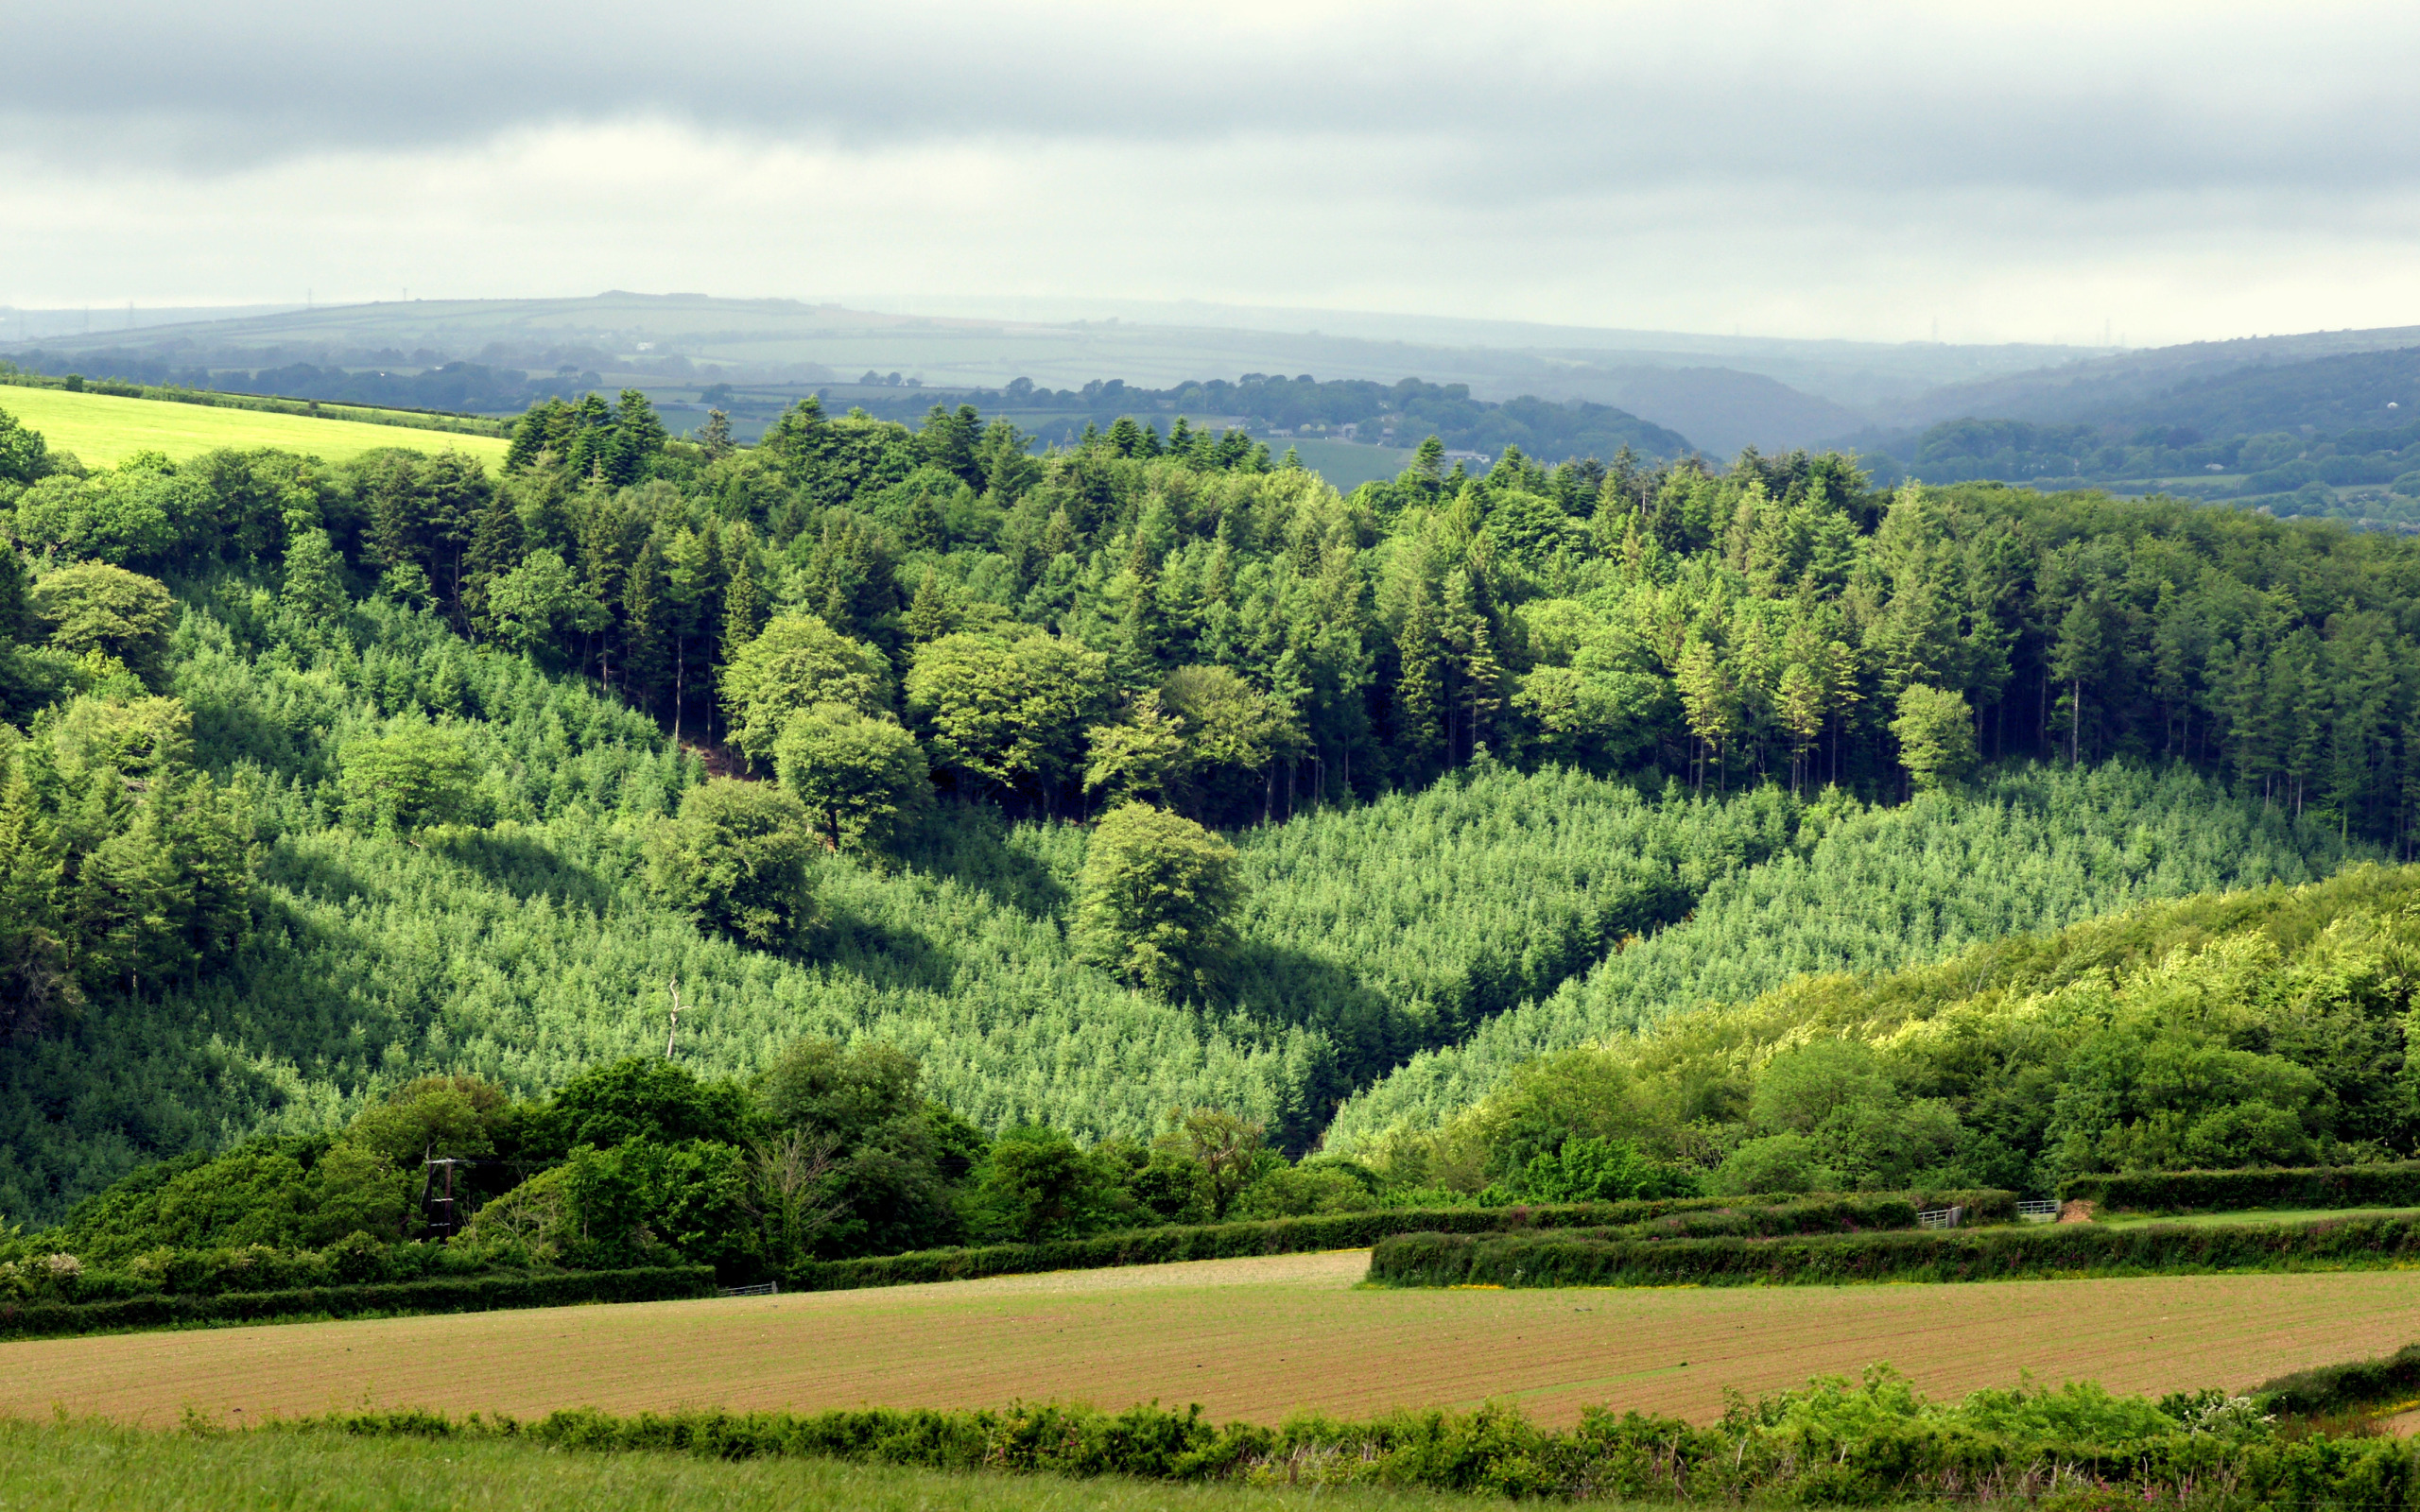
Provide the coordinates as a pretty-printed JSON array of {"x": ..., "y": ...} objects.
[
  {"x": 105, "y": 429},
  {"x": 1346, "y": 465},
  {"x": 85, "y": 1465}
]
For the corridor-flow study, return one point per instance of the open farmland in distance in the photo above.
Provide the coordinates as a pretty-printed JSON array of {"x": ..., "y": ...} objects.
[
  {"x": 1253, "y": 1339},
  {"x": 105, "y": 429}
]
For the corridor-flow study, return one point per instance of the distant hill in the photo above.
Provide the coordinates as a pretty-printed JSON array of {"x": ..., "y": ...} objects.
[
  {"x": 1721, "y": 392},
  {"x": 2378, "y": 391},
  {"x": 2110, "y": 390}
]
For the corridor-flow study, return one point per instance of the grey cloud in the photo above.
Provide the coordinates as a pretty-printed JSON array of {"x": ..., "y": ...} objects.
[{"x": 1515, "y": 103}]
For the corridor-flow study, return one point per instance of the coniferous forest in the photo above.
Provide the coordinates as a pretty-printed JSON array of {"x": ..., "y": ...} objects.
[{"x": 1109, "y": 790}]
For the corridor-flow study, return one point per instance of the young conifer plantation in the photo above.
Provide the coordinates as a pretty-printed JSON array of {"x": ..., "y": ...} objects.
[{"x": 1042, "y": 843}]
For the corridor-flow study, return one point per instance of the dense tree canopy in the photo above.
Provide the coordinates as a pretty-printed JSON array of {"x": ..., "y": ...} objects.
[{"x": 327, "y": 777}]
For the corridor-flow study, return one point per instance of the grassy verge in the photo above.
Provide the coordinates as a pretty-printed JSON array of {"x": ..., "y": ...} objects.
[{"x": 90, "y": 1466}]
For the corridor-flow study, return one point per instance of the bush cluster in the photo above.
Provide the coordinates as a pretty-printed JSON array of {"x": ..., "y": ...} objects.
[
  {"x": 444, "y": 1293},
  {"x": 2394, "y": 1184},
  {"x": 1956, "y": 1254},
  {"x": 1875, "y": 1442}
]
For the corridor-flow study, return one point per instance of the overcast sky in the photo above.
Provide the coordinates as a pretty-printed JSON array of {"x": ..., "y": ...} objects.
[{"x": 2008, "y": 172}]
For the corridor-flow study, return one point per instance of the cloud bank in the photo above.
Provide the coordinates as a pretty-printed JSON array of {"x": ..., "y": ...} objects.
[{"x": 1811, "y": 169}]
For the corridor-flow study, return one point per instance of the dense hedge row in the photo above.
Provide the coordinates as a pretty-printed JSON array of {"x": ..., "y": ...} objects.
[
  {"x": 1356, "y": 1231},
  {"x": 356, "y": 1260},
  {"x": 1952, "y": 1255},
  {"x": 2318, "y": 1186},
  {"x": 475, "y": 1294},
  {"x": 1876, "y": 1445}
]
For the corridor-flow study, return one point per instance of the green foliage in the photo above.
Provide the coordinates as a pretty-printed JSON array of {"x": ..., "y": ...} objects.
[
  {"x": 641, "y": 1202},
  {"x": 130, "y": 515},
  {"x": 794, "y": 663},
  {"x": 1008, "y": 713},
  {"x": 1604, "y": 1170},
  {"x": 540, "y": 602},
  {"x": 2353, "y": 1384},
  {"x": 419, "y": 776},
  {"x": 1035, "y": 1184},
  {"x": 25, "y": 456},
  {"x": 1936, "y": 734},
  {"x": 735, "y": 858},
  {"x": 1547, "y": 614},
  {"x": 95, "y": 608},
  {"x": 858, "y": 774},
  {"x": 1869, "y": 891},
  {"x": 2028, "y": 1061},
  {"x": 1159, "y": 893},
  {"x": 642, "y": 1098}
]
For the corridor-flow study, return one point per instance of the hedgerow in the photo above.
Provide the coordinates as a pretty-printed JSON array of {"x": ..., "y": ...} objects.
[
  {"x": 2397, "y": 1184},
  {"x": 1955, "y": 1255},
  {"x": 2336, "y": 1387},
  {"x": 452, "y": 1294},
  {"x": 1878, "y": 1442},
  {"x": 1354, "y": 1230}
]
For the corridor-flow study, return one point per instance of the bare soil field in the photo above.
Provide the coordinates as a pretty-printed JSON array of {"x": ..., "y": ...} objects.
[{"x": 1245, "y": 1338}]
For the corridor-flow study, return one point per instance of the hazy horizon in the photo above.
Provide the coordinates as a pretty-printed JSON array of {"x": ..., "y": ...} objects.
[{"x": 2071, "y": 175}]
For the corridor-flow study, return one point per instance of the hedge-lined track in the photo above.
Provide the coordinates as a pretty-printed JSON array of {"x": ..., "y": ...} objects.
[{"x": 1250, "y": 1339}]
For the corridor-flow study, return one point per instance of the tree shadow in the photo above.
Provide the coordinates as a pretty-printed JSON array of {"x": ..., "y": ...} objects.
[
  {"x": 524, "y": 866},
  {"x": 886, "y": 957},
  {"x": 968, "y": 843},
  {"x": 1371, "y": 1031},
  {"x": 311, "y": 872}
]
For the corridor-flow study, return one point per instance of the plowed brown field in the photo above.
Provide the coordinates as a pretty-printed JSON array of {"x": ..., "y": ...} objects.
[{"x": 1246, "y": 1338}]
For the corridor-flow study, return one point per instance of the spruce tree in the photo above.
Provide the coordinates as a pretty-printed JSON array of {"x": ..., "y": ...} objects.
[
  {"x": 646, "y": 627},
  {"x": 1420, "y": 685},
  {"x": 497, "y": 547},
  {"x": 929, "y": 617}
]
